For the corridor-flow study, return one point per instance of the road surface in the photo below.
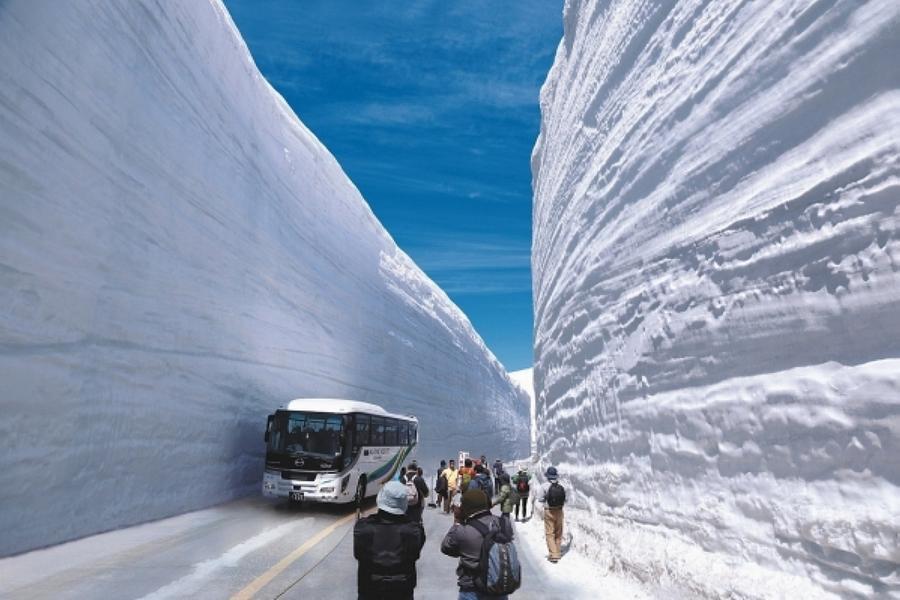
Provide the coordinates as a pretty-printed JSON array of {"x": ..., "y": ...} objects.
[{"x": 251, "y": 548}]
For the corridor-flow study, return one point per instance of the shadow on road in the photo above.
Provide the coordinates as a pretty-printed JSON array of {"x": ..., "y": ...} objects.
[{"x": 316, "y": 509}]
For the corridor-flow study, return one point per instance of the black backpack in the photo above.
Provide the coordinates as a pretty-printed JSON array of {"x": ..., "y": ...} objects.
[
  {"x": 499, "y": 571},
  {"x": 389, "y": 565},
  {"x": 556, "y": 495}
]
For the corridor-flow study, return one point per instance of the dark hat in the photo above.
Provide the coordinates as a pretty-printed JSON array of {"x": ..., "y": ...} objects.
[
  {"x": 551, "y": 473},
  {"x": 473, "y": 501}
]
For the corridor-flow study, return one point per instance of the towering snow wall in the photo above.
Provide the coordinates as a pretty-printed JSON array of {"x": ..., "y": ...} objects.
[
  {"x": 717, "y": 285},
  {"x": 178, "y": 256}
]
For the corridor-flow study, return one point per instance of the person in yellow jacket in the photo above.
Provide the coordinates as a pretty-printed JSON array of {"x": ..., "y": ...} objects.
[{"x": 452, "y": 477}]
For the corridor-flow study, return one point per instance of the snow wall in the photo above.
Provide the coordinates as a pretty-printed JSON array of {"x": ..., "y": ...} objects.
[
  {"x": 179, "y": 255},
  {"x": 717, "y": 291}
]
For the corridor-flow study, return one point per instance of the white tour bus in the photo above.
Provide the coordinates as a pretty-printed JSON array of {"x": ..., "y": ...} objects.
[{"x": 332, "y": 450}]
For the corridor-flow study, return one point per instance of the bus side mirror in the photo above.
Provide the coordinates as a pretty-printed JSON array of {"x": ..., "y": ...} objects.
[{"x": 269, "y": 420}]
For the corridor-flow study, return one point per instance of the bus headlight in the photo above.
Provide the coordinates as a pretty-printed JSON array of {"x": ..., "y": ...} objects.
[{"x": 344, "y": 481}]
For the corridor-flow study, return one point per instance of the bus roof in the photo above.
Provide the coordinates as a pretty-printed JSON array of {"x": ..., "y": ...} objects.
[{"x": 340, "y": 406}]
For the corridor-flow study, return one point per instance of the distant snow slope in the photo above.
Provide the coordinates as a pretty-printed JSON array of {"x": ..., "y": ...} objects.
[
  {"x": 717, "y": 291},
  {"x": 525, "y": 380},
  {"x": 178, "y": 256}
]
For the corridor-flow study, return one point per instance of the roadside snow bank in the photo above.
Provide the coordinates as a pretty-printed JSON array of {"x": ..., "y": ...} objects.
[
  {"x": 178, "y": 256},
  {"x": 717, "y": 291}
]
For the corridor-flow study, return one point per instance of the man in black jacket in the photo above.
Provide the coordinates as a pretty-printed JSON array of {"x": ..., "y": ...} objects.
[
  {"x": 387, "y": 546},
  {"x": 414, "y": 476}
]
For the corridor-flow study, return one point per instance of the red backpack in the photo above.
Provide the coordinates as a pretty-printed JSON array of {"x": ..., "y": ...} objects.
[{"x": 522, "y": 485}]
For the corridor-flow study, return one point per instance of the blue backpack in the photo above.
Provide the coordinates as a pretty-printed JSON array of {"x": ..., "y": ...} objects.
[{"x": 499, "y": 571}]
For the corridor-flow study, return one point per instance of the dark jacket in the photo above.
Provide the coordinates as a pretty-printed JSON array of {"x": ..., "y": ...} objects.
[
  {"x": 498, "y": 468},
  {"x": 394, "y": 540},
  {"x": 464, "y": 541}
]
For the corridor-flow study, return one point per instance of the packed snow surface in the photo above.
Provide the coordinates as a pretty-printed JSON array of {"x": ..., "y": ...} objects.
[
  {"x": 179, "y": 255},
  {"x": 717, "y": 291}
]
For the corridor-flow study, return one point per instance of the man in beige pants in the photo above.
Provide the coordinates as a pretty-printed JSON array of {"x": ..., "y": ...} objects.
[{"x": 553, "y": 497}]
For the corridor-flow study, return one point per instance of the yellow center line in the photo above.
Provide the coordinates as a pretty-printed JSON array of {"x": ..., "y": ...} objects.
[{"x": 264, "y": 579}]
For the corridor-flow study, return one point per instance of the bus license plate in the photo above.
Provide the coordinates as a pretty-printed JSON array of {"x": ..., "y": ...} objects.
[{"x": 298, "y": 496}]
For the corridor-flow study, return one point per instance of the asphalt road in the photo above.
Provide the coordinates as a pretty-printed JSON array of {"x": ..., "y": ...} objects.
[{"x": 251, "y": 548}]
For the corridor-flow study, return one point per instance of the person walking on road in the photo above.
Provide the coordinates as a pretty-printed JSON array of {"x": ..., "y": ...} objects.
[
  {"x": 481, "y": 481},
  {"x": 387, "y": 546},
  {"x": 416, "y": 493},
  {"x": 553, "y": 497},
  {"x": 523, "y": 488},
  {"x": 440, "y": 485},
  {"x": 507, "y": 499},
  {"x": 452, "y": 477},
  {"x": 498, "y": 470},
  {"x": 466, "y": 473},
  {"x": 464, "y": 541}
]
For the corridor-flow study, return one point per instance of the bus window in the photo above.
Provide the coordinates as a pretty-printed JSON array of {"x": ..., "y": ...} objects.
[
  {"x": 362, "y": 431},
  {"x": 390, "y": 432},
  {"x": 403, "y": 433},
  {"x": 377, "y": 432},
  {"x": 413, "y": 431}
]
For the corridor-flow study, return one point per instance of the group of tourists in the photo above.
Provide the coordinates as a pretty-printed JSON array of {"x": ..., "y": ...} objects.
[{"x": 388, "y": 543}]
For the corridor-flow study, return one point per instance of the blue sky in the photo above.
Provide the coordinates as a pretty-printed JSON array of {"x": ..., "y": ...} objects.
[{"x": 431, "y": 107}]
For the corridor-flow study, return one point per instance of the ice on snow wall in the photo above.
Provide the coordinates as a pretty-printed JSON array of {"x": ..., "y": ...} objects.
[
  {"x": 178, "y": 256},
  {"x": 717, "y": 294}
]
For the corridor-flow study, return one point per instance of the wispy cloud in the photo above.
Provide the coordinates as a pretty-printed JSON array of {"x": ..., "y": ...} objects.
[{"x": 432, "y": 109}]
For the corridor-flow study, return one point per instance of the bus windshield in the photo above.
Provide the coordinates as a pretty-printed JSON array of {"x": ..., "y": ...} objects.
[{"x": 317, "y": 434}]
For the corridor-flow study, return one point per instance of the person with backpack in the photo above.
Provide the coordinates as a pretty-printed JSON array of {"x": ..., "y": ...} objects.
[
  {"x": 387, "y": 546},
  {"x": 483, "y": 461},
  {"x": 416, "y": 493},
  {"x": 488, "y": 566},
  {"x": 523, "y": 488},
  {"x": 498, "y": 470},
  {"x": 481, "y": 481},
  {"x": 440, "y": 485},
  {"x": 452, "y": 477},
  {"x": 466, "y": 473},
  {"x": 553, "y": 497}
]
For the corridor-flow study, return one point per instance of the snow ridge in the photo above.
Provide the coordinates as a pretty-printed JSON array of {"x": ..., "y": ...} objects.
[
  {"x": 717, "y": 297},
  {"x": 179, "y": 255}
]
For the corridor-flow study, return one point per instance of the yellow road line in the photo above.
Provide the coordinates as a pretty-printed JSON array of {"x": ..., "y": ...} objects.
[{"x": 264, "y": 579}]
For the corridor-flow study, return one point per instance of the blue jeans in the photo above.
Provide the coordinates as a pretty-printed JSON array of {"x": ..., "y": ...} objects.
[{"x": 473, "y": 595}]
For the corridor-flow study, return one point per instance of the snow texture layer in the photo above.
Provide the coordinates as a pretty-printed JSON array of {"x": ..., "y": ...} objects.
[
  {"x": 178, "y": 256},
  {"x": 717, "y": 291}
]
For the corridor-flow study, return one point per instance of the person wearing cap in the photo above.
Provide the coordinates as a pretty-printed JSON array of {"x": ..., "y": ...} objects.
[
  {"x": 387, "y": 546},
  {"x": 464, "y": 541},
  {"x": 521, "y": 482},
  {"x": 553, "y": 497}
]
